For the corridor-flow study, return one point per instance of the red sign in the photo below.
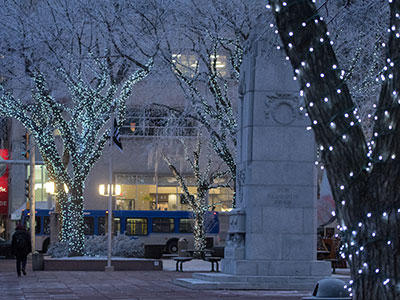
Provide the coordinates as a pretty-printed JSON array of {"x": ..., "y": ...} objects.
[{"x": 3, "y": 183}]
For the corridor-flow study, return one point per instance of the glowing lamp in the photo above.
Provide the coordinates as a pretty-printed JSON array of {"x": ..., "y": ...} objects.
[{"x": 104, "y": 190}]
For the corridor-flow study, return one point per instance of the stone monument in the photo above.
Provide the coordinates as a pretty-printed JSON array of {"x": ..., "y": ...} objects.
[{"x": 272, "y": 237}]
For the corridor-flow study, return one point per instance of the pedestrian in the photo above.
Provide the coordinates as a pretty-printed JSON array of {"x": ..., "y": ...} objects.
[{"x": 21, "y": 246}]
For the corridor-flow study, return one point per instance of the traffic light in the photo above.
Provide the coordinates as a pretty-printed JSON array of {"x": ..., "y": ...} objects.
[
  {"x": 27, "y": 189},
  {"x": 25, "y": 145}
]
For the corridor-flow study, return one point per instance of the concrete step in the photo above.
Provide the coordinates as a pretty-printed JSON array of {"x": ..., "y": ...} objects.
[
  {"x": 221, "y": 277},
  {"x": 193, "y": 283}
]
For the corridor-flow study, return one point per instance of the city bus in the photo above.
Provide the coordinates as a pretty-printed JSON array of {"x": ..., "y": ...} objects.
[{"x": 159, "y": 230}]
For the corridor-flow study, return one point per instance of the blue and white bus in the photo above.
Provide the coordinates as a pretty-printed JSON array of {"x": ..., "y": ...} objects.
[{"x": 159, "y": 230}]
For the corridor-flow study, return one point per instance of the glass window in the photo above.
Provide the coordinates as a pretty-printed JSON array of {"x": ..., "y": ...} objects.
[
  {"x": 101, "y": 225},
  {"x": 46, "y": 225},
  {"x": 221, "y": 199},
  {"x": 156, "y": 122},
  {"x": 163, "y": 193},
  {"x": 163, "y": 225},
  {"x": 136, "y": 226},
  {"x": 41, "y": 177},
  {"x": 88, "y": 225},
  {"x": 28, "y": 224},
  {"x": 186, "y": 64},
  {"x": 125, "y": 204},
  {"x": 221, "y": 63},
  {"x": 167, "y": 199},
  {"x": 37, "y": 227},
  {"x": 186, "y": 225},
  {"x": 117, "y": 226}
]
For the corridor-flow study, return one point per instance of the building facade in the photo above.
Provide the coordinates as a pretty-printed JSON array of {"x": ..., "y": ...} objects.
[{"x": 145, "y": 179}]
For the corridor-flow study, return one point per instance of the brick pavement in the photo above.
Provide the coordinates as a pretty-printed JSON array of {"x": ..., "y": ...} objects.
[{"x": 116, "y": 285}]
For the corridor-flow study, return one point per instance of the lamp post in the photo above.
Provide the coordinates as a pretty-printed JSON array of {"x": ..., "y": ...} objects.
[
  {"x": 105, "y": 190},
  {"x": 50, "y": 188}
]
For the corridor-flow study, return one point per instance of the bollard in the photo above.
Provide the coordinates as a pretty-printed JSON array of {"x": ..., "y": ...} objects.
[
  {"x": 37, "y": 261},
  {"x": 329, "y": 289}
]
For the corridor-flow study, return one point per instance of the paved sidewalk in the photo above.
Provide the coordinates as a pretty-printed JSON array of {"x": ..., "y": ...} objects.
[{"x": 119, "y": 285}]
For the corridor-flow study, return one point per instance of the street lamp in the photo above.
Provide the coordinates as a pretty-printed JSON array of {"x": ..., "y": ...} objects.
[{"x": 104, "y": 190}]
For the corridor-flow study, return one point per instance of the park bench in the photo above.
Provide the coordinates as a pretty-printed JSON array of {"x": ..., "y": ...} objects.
[
  {"x": 179, "y": 262},
  {"x": 213, "y": 260}
]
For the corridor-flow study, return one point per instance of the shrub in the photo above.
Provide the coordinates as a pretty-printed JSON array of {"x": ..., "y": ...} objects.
[
  {"x": 96, "y": 245},
  {"x": 59, "y": 249},
  {"x": 126, "y": 246}
]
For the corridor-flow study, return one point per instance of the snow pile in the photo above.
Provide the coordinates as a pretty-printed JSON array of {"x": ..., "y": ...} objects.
[{"x": 122, "y": 245}]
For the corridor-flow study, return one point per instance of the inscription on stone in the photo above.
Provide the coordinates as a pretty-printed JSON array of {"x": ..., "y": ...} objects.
[{"x": 282, "y": 198}]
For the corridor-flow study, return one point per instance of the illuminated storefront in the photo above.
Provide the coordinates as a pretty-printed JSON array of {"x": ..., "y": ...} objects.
[
  {"x": 163, "y": 193},
  {"x": 41, "y": 177}
]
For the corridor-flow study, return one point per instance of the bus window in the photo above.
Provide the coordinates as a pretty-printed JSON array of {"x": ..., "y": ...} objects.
[
  {"x": 163, "y": 225},
  {"x": 101, "y": 226},
  {"x": 46, "y": 225},
  {"x": 186, "y": 225},
  {"x": 117, "y": 226},
  {"x": 28, "y": 224},
  {"x": 88, "y": 225},
  {"x": 136, "y": 226}
]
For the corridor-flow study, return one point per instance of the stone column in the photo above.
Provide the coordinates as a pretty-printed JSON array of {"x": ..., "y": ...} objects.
[{"x": 276, "y": 177}]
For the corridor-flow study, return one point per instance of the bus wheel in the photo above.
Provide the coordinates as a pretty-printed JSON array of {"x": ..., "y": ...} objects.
[
  {"x": 172, "y": 246},
  {"x": 46, "y": 244}
]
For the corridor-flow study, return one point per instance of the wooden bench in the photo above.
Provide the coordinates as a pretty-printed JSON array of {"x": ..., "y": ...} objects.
[
  {"x": 213, "y": 260},
  {"x": 179, "y": 262}
]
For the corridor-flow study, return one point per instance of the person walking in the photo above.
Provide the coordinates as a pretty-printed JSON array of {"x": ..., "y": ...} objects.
[{"x": 21, "y": 246}]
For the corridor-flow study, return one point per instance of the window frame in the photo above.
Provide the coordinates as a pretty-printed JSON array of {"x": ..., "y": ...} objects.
[
  {"x": 161, "y": 226},
  {"x": 143, "y": 232}
]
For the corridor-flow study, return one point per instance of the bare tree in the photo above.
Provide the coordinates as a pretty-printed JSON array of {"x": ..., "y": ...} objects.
[
  {"x": 207, "y": 177},
  {"x": 206, "y": 61},
  {"x": 90, "y": 81},
  {"x": 83, "y": 124},
  {"x": 363, "y": 177}
]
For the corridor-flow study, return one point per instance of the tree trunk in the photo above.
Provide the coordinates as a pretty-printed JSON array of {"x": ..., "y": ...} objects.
[
  {"x": 72, "y": 229},
  {"x": 374, "y": 260},
  {"x": 364, "y": 180},
  {"x": 199, "y": 233}
]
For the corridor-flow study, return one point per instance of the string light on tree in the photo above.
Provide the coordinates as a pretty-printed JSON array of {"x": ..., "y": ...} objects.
[{"x": 353, "y": 165}]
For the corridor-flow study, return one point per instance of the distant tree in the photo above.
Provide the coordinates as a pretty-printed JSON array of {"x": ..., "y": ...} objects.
[
  {"x": 206, "y": 60},
  {"x": 207, "y": 177},
  {"x": 363, "y": 176}
]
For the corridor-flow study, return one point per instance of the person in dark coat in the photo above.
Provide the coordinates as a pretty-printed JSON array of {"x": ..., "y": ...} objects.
[{"x": 21, "y": 246}]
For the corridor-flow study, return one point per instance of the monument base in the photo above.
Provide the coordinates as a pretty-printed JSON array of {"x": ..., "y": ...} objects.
[
  {"x": 261, "y": 275},
  {"x": 258, "y": 267}
]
